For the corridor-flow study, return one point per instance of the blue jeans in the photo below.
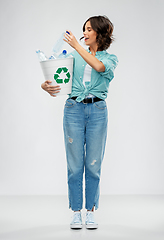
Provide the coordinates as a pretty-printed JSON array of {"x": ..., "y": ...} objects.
[{"x": 85, "y": 131}]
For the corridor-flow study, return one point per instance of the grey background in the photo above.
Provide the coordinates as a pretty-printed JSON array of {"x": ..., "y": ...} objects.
[{"x": 32, "y": 154}]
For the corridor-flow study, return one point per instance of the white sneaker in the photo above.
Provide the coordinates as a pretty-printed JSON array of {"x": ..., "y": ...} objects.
[
  {"x": 90, "y": 221},
  {"x": 76, "y": 221}
]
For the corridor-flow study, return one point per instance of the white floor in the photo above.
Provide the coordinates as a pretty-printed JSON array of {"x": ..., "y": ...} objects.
[{"x": 128, "y": 217}]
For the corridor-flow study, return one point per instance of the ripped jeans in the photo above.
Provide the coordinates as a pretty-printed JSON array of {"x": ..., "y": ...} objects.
[{"x": 85, "y": 131}]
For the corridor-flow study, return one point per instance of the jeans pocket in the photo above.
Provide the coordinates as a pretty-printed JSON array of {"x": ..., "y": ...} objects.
[
  {"x": 100, "y": 105},
  {"x": 70, "y": 103}
]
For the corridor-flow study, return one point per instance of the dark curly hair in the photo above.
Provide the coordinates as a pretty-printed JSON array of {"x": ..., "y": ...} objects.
[{"x": 104, "y": 29}]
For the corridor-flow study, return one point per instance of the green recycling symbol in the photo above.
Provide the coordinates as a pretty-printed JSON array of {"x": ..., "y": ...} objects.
[{"x": 58, "y": 72}]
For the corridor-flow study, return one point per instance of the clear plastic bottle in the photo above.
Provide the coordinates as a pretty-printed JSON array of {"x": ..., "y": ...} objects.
[
  {"x": 52, "y": 57},
  {"x": 63, "y": 54},
  {"x": 59, "y": 44},
  {"x": 41, "y": 56}
]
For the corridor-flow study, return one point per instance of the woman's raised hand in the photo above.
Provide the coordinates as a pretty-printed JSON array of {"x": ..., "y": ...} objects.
[
  {"x": 50, "y": 88},
  {"x": 70, "y": 39}
]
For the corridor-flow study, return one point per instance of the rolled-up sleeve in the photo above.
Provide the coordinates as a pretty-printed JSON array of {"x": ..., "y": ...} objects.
[{"x": 110, "y": 62}]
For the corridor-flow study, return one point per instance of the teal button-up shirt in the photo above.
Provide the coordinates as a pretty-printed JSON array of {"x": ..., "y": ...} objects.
[{"x": 99, "y": 83}]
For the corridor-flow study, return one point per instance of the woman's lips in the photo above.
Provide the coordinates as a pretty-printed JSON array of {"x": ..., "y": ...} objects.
[{"x": 86, "y": 39}]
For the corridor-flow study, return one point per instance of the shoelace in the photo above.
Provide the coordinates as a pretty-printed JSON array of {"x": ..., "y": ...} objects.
[
  {"x": 77, "y": 217},
  {"x": 90, "y": 217}
]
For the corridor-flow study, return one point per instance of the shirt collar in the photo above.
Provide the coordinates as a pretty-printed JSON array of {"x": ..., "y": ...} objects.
[{"x": 98, "y": 53}]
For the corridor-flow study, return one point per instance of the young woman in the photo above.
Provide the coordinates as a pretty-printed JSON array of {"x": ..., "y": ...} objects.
[{"x": 85, "y": 115}]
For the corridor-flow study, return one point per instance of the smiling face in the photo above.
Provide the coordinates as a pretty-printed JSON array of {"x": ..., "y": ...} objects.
[{"x": 89, "y": 35}]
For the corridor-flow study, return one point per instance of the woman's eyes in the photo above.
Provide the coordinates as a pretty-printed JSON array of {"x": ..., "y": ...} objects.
[{"x": 89, "y": 30}]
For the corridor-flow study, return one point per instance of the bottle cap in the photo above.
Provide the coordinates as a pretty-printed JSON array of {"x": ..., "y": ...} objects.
[{"x": 64, "y": 52}]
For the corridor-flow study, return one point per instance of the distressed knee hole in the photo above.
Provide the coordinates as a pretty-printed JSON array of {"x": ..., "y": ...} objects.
[
  {"x": 70, "y": 140},
  {"x": 94, "y": 161}
]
